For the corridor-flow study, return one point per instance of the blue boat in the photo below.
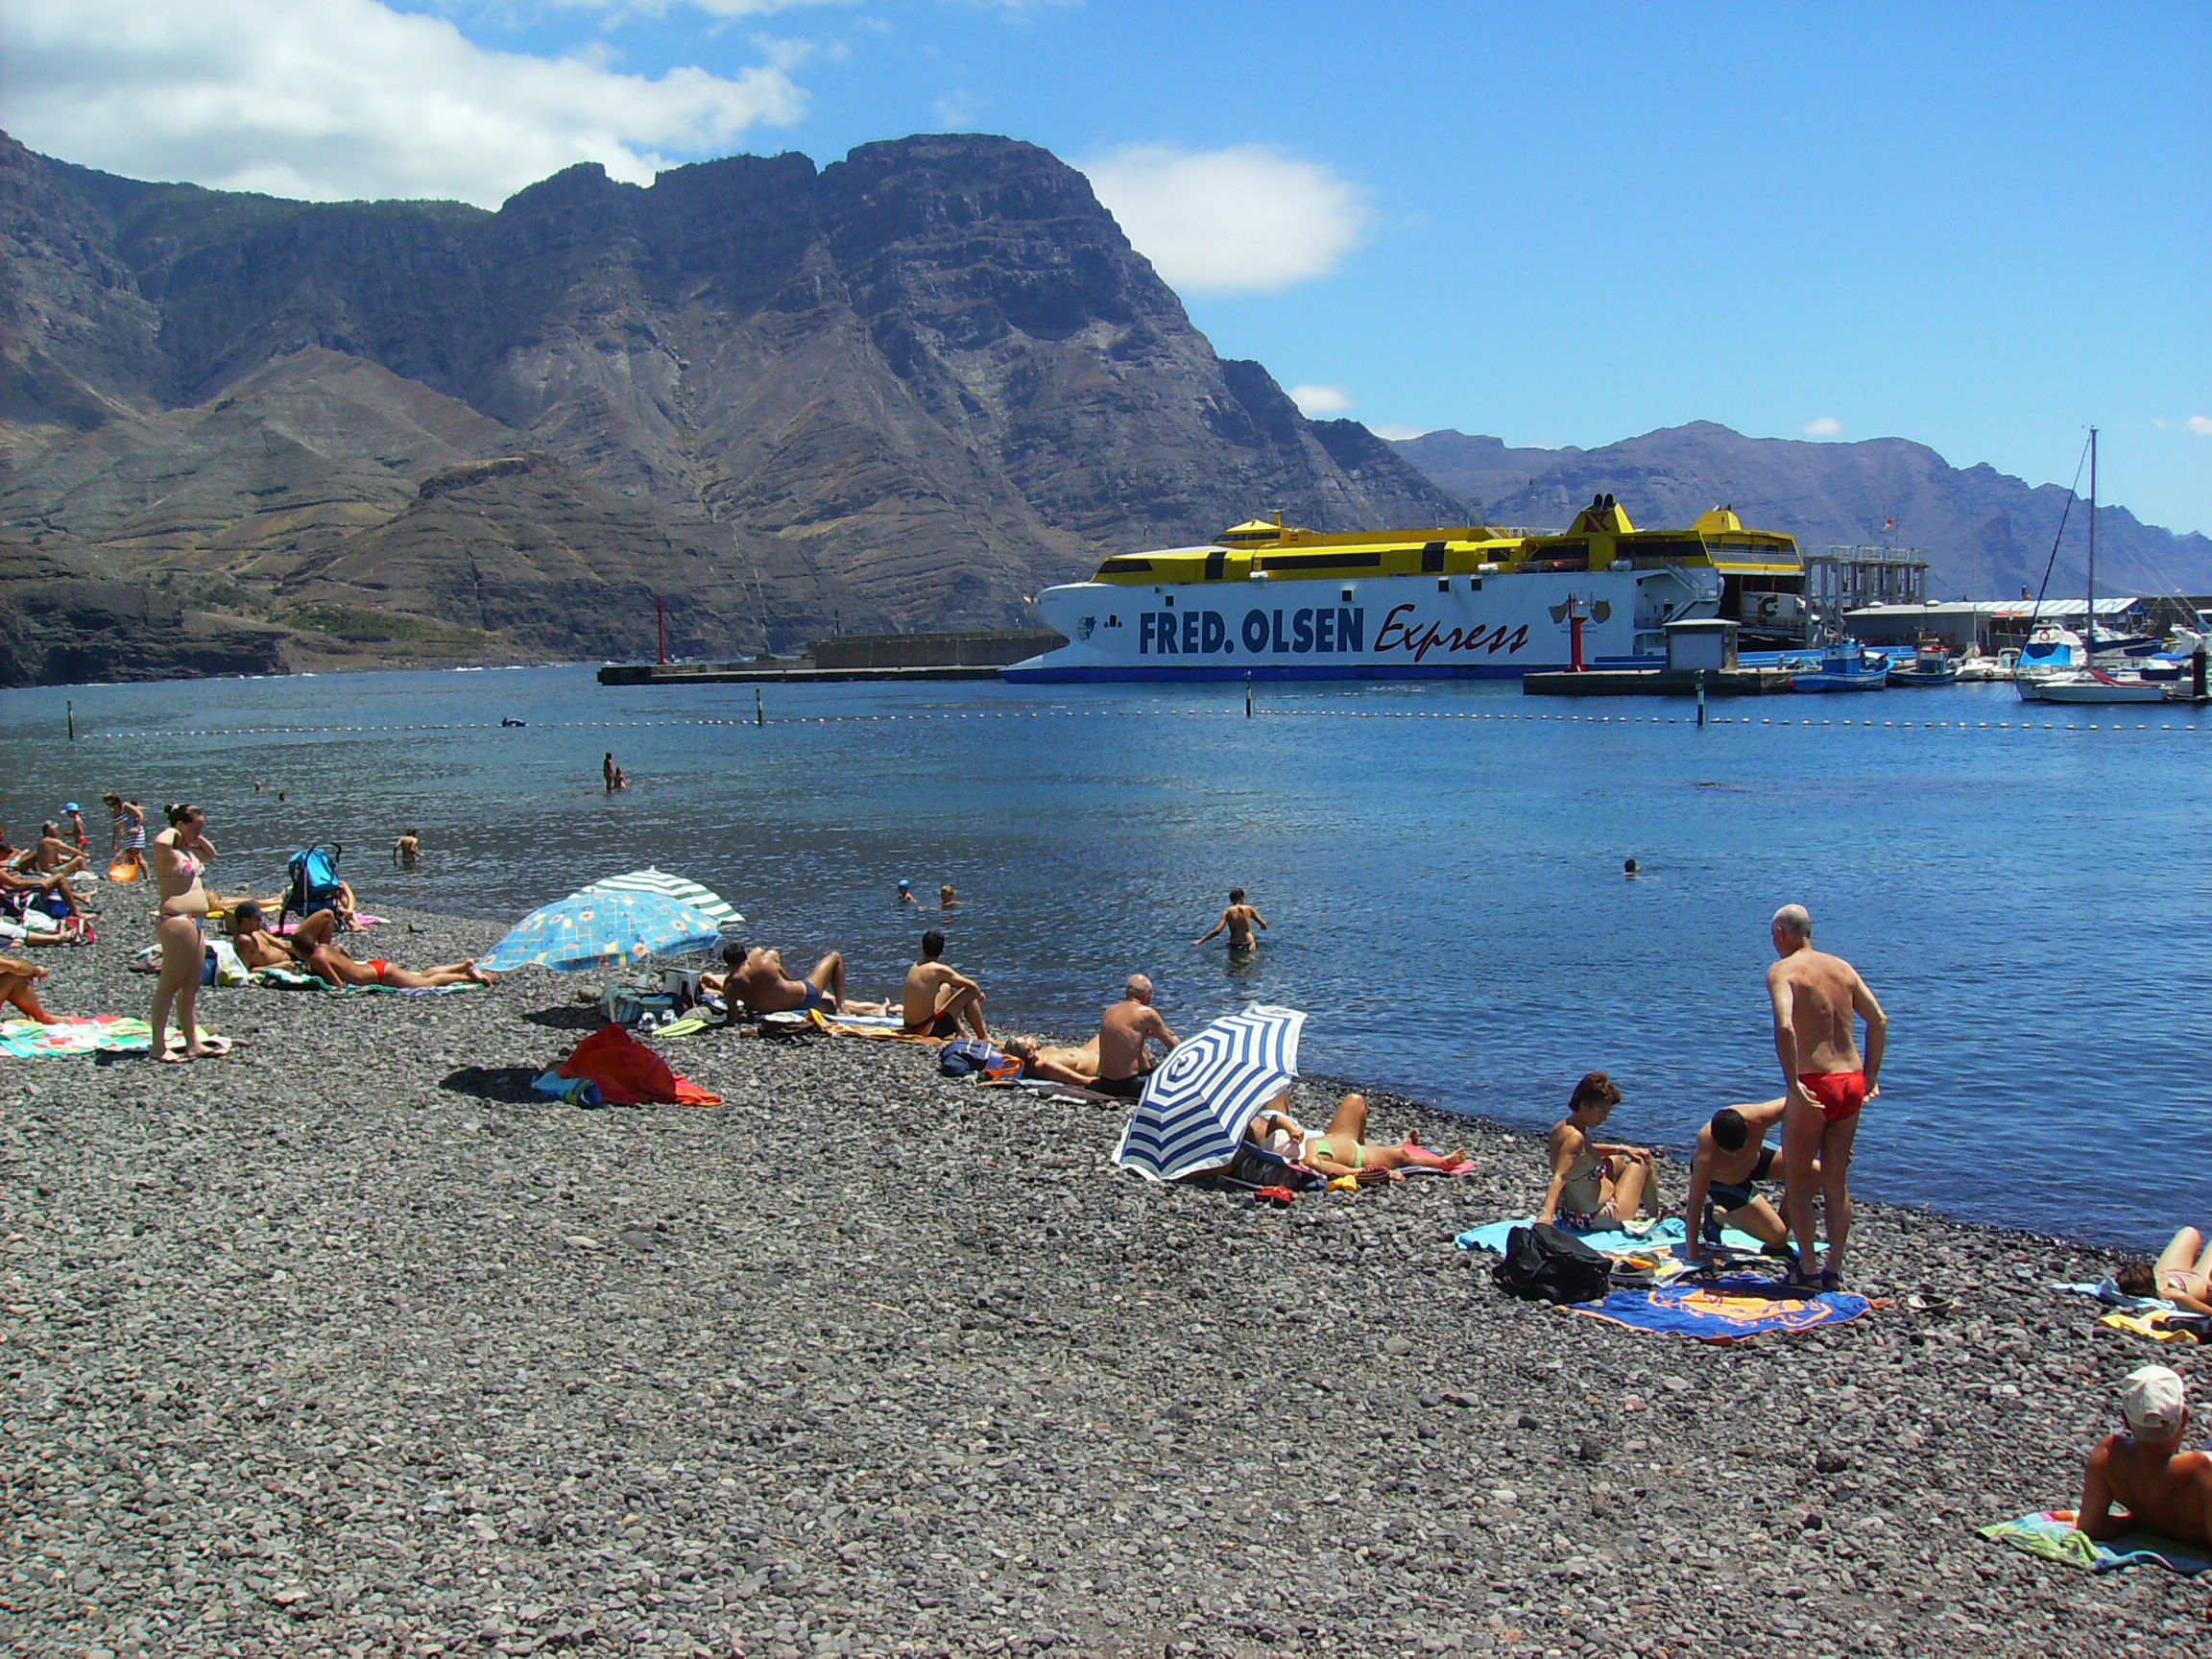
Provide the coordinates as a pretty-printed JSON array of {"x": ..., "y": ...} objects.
[{"x": 1844, "y": 666}]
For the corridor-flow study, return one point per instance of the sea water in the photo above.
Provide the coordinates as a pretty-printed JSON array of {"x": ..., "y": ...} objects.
[{"x": 2024, "y": 887}]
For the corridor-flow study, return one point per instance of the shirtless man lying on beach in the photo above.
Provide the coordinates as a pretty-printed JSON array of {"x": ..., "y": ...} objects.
[
  {"x": 937, "y": 998},
  {"x": 1123, "y": 1032},
  {"x": 1731, "y": 1158},
  {"x": 1077, "y": 1068},
  {"x": 52, "y": 856},
  {"x": 2163, "y": 1488},
  {"x": 1816, "y": 997},
  {"x": 1343, "y": 1148},
  {"x": 758, "y": 980},
  {"x": 259, "y": 945}
]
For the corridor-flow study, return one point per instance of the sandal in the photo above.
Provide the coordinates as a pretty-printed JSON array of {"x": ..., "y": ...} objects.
[{"x": 1831, "y": 1280}]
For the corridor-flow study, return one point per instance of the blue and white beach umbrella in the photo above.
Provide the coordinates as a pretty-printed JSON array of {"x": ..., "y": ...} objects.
[
  {"x": 1197, "y": 1103},
  {"x": 676, "y": 887},
  {"x": 602, "y": 929}
]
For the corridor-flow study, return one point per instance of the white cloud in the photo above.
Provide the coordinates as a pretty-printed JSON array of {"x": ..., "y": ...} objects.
[
  {"x": 1827, "y": 427},
  {"x": 958, "y": 111},
  {"x": 1244, "y": 220},
  {"x": 2201, "y": 425},
  {"x": 1395, "y": 433},
  {"x": 338, "y": 99},
  {"x": 1320, "y": 402}
]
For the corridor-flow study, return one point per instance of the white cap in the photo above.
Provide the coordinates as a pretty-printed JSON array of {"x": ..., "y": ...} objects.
[{"x": 2153, "y": 1399}]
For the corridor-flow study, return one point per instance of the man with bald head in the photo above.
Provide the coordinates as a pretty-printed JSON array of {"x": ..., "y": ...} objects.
[
  {"x": 1825, "y": 1082},
  {"x": 1123, "y": 1031}
]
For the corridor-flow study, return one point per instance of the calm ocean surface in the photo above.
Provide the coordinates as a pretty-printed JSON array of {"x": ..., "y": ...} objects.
[{"x": 1446, "y": 894}]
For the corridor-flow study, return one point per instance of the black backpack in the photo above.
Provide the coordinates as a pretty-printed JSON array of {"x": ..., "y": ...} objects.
[{"x": 1544, "y": 1264}]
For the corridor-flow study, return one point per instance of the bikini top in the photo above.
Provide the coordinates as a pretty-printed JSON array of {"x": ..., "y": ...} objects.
[{"x": 187, "y": 864}]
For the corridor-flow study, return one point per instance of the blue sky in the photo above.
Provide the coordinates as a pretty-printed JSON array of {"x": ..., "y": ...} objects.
[{"x": 1980, "y": 226}]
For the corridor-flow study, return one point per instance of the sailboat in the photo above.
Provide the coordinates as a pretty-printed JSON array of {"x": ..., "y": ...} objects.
[{"x": 2057, "y": 667}]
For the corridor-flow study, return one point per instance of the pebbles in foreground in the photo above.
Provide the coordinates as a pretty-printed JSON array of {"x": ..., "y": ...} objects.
[{"x": 349, "y": 1345}]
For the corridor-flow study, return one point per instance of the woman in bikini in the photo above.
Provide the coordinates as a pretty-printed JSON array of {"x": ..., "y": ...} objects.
[
  {"x": 1596, "y": 1186},
  {"x": 1344, "y": 1149},
  {"x": 126, "y": 836},
  {"x": 180, "y": 853},
  {"x": 2182, "y": 1274}
]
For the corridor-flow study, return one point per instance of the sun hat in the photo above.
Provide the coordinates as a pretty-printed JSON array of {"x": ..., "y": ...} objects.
[
  {"x": 2153, "y": 1399},
  {"x": 904, "y": 882},
  {"x": 71, "y": 807}
]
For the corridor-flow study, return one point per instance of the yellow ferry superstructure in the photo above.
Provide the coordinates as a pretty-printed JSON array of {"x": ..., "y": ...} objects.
[{"x": 1273, "y": 601}]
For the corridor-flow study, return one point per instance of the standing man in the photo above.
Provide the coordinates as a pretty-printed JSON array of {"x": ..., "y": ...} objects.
[
  {"x": 1123, "y": 1031},
  {"x": 1825, "y": 1082},
  {"x": 1237, "y": 918},
  {"x": 606, "y": 773}
]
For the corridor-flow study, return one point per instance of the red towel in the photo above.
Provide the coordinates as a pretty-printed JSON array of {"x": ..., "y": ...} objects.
[{"x": 629, "y": 1073}]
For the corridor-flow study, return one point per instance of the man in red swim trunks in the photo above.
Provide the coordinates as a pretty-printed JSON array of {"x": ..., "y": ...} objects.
[{"x": 1816, "y": 997}]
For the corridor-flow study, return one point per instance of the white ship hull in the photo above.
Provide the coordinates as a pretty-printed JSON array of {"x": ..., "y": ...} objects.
[{"x": 1378, "y": 628}]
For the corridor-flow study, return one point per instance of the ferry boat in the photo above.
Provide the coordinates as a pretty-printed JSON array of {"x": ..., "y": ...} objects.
[{"x": 1271, "y": 601}]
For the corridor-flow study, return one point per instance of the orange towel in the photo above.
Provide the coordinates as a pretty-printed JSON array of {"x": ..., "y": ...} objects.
[{"x": 629, "y": 1073}]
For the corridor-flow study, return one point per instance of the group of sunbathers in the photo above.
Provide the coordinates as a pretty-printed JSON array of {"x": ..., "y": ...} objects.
[{"x": 312, "y": 948}]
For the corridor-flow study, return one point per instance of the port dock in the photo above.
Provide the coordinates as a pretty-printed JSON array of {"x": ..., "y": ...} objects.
[{"x": 1655, "y": 683}]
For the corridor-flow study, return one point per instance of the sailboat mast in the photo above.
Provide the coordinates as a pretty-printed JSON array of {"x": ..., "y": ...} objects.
[{"x": 2091, "y": 629}]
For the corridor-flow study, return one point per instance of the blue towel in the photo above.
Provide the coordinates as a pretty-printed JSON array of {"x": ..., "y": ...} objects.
[
  {"x": 1729, "y": 1310},
  {"x": 1665, "y": 1236},
  {"x": 2106, "y": 1291}
]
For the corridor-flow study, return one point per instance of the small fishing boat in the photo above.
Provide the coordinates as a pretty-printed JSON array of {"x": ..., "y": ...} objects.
[
  {"x": 1843, "y": 666},
  {"x": 1974, "y": 666},
  {"x": 2095, "y": 686},
  {"x": 1930, "y": 665}
]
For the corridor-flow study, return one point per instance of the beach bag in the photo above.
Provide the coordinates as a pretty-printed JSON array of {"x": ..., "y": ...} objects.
[
  {"x": 1255, "y": 1166},
  {"x": 972, "y": 1056},
  {"x": 1546, "y": 1263},
  {"x": 315, "y": 883}
]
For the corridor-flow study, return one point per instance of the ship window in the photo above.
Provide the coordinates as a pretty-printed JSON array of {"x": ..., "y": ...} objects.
[
  {"x": 1444, "y": 586},
  {"x": 1168, "y": 600},
  {"x": 1113, "y": 621},
  {"x": 1347, "y": 595},
  {"x": 1433, "y": 557},
  {"x": 1474, "y": 583}
]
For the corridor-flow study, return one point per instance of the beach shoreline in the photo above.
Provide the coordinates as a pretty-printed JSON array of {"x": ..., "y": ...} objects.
[{"x": 347, "y": 1343}]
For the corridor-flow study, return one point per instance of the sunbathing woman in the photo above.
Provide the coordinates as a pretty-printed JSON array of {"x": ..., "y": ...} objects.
[
  {"x": 1596, "y": 1186},
  {"x": 1343, "y": 1148},
  {"x": 180, "y": 853},
  {"x": 330, "y": 962},
  {"x": 16, "y": 979},
  {"x": 2182, "y": 1274},
  {"x": 1076, "y": 1067}
]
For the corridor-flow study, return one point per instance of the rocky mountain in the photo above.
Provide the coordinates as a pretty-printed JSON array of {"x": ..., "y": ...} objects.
[
  {"x": 905, "y": 390},
  {"x": 1986, "y": 534}
]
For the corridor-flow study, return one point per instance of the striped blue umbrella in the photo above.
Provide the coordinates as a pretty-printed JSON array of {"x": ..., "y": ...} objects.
[
  {"x": 601, "y": 929},
  {"x": 1197, "y": 1105},
  {"x": 676, "y": 887}
]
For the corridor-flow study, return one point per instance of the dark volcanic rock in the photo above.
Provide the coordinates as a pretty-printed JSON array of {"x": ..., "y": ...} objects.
[
  {"x": 934, "y": 374},
  {"x": 60, "y": 624}
]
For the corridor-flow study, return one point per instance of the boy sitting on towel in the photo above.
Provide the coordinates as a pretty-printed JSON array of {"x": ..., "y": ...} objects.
[
  {"x": 2165, "y": 1489},
  {"x": 1731, "y": 1158}
]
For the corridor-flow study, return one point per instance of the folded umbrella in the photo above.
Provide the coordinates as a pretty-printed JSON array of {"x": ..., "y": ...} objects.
[
  {"x": 600, "y": 929},
  {"x": 1197, "y": 1105}
]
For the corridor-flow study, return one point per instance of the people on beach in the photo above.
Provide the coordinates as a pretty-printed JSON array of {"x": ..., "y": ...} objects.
[
  {"x": 330, "y": 961},
  {"x": 621, "y": 781},
  {"x": 2144, "y": 1472},
  {"x": 407, "y": 851},
  {"x": 181, "y": 854},
  {"x": 259, "y": 946},
  {"x": 1239, "y": 920},
  {"x": 1826, "y": 1083},
  {"x": 756, "y": 978},
  {"x": 607, "y": 771},
  {"x": 947, "y": 899},
  {"x": 51, "y": 895},
  {"x": 937, "y": 999},
  {"x": 51, "y": 854},
  {"x": 17, "y": 981},
  {"x": 2182, "y": 1274},
  {"x": 127, "y": 835},
  {"x": 1596, "y": 1185},
  {"x": 1077, "y": 1066},
  {"x": 1342, "y": 1150},
  {"x": 1731, "y": 1158},
  {"x": 906, "y": 894},
  {"x": 73, "y": 822},
  {"x": 1126, "y": 1030}
]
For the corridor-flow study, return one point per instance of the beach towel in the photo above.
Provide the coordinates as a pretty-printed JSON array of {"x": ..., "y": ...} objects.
[
  {"x": 110, "y": 1033},
  {"x": 629, "y": 1073},
  {"x": 2107, "y": 1291},
  {"x": 1665, "y": 1236},
  {"x": 885, "y": 1028},
  {"x": 1729, "y": 1310},
  {"x": 2164, "y": 1324},
  {"x": 299, "y": 979},
  {"x": 2052, "y": 1534}
]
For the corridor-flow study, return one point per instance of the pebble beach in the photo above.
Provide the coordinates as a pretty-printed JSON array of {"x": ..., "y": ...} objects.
[{"x": 349, "y": 1343}]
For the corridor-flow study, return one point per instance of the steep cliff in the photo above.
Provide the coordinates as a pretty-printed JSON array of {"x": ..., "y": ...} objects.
[{"x": 907, "y": 389}]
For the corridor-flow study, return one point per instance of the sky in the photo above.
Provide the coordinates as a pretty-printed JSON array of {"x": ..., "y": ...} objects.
[{"x": 1981, "y": 227}]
